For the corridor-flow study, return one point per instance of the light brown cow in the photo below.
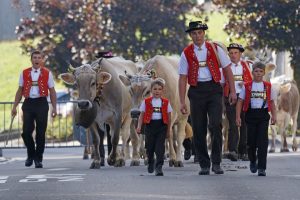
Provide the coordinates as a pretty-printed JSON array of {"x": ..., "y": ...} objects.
[
  {"x": 139, "y": 87},
  {"x": 287, "y": 105},
  {"x": 112, "y": 102}
]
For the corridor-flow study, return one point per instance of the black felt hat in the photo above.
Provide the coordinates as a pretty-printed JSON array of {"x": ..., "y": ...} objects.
[
  {"x": 196, "y": 25},
  {"x": 104, "y": 54},
  {"x": 236, "y": 46}
]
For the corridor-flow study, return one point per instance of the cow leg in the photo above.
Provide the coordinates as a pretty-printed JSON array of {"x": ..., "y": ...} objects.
[
  {"x": 180, "y": 137},
  {"x": 172, "y": 155},
  {"x": 96, "y": 141},
  {"x": 115, "y": 158},
  {"x": 85, "y": 153},
  {"x": 294, "y": 128},
  {"x": 273, "y": 130},
  {"x": 135, "y": 143}
]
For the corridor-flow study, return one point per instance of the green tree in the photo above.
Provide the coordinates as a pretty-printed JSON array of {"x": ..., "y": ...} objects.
[
  {"x": 73, "y": 31},
  {"x": 272, "y": 23}
]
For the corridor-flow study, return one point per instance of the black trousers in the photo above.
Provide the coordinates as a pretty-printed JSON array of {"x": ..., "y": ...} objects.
[
  {"x": 257, "y": 121},
  {"x": 35, "y": 113},
  {"x": 237, "y": 141},
  {"x": 155, "y": 133},
  {"x": 206, "y": 106}
]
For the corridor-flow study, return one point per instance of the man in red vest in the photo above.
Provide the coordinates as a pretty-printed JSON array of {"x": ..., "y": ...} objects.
[
  {"x": 241, "y": 73},
  {"x": 34, "y": 84},
  {"x": 199, "y": 67},
  {"x": 256, "y": 99}
]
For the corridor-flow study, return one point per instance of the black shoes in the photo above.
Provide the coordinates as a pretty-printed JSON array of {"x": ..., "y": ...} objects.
[
  {"x": 217, "y": 169},
  {"x": 232, "y": 156},
  {"x": 158, "y": 171},
  {"x": 150, "y": 168},
  {"x": 204, "y": 171},
  {"x": 253, "y": 167},
  {"x": 38, "y": 164},
  {"x": 28, "y": 162},
  {"x": 244, "y": 157},
  {"x": 261, "y": 172},
  {"x": 187, "y": 154}
]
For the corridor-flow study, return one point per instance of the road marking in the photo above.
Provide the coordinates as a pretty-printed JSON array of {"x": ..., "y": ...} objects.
[
  {"x": 59, "y": 177},
  {"x": 3, "y": 179},
  {"x": 58, "y": 169}
]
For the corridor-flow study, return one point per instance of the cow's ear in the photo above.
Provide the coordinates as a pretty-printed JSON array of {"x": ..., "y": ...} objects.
[
  {"x": 103, "y": 77},
  {"x": 125, "y": 80},
  {"x": 269, "y": 68},
  {"x": 285, "y": 88},
  {"x": 68, "y": 78}
]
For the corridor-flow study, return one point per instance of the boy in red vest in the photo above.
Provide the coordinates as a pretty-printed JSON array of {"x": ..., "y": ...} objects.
[
  {"x": 34, "y": 84},
  {"x": 156, "y": 116},
  {"x": 257, "y": 100},
  {"x": 241, "y": 73}
]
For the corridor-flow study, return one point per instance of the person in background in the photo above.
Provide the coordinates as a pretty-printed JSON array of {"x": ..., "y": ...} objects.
[
  {"x": 35, "y": 84},
  {"x": 237, "y": 137}
]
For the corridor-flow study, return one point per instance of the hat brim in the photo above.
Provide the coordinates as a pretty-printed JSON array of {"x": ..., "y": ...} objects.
[
  {"x": 192, "y": 29},
  {"x": 240, "y": 49}
]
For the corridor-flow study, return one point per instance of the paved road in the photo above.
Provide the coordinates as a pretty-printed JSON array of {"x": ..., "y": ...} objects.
[{"x": 66, "y": 176}]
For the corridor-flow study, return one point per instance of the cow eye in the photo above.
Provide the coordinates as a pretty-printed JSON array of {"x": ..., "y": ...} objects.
[
  {"x": 93, "y": 84},
  {"x": 147, "y": 93}
]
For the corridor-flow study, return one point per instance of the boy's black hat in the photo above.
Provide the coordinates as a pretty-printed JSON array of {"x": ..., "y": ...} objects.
[
  {"x": 196, "y": 25},
  {"x": 236, "y": 46}
]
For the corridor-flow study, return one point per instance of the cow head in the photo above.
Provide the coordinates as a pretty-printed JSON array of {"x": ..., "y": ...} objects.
[
  {"x": 139, "y": 88},
  {"x": 89, "y": 84}
]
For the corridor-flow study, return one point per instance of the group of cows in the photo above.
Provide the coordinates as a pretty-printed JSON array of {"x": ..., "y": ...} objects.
[{"x": 112, "y": 89}]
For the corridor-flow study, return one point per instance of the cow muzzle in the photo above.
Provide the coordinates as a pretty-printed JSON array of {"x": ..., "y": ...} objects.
[
  {"x": 84, "y": 104},
  {"x": 135, "y": 113}
]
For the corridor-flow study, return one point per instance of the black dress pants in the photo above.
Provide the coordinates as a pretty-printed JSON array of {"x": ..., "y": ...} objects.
[
  {"x": 35, "y": 115},
  {"x": 206, "y": 105},
  {"x": 155, "y": 133},
  {"x": 237, "y": 141},
  {"x": 257, "y": 121}
]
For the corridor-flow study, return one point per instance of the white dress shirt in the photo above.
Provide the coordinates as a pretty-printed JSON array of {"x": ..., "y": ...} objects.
[
  {"x": 156, "y": 102},
  {"x": 257, "y": 87},
  {"x": 201, "y": 54},
  {"x": 34, "y": 90}
]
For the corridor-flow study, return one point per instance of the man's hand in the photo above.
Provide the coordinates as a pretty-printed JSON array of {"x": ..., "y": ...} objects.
[
  {"x": 273, "y": 120},
  {"x": 238, "y": 122},
  {"x": 54, "y": 113},
  {"x": 138, "y": 130},
  {"x": 14, "y": 112},
  {"x": 232, "y": 98},
  {"x": 183, "y": 108}
]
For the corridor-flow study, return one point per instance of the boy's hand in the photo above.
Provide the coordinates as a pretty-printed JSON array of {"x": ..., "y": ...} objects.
[
  {"x": 183, "y": 108},
  {"x": 273, "y": 120},
  {"x": 138, "y": 130},
  {"x": 238, "y": 122}
]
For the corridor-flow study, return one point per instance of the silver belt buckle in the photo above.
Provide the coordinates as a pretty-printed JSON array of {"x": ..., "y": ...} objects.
[{"x": 202, "y": 64}]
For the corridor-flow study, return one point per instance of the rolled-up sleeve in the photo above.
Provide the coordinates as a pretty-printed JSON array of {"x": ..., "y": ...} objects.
[{"x": 50, "y": 81}]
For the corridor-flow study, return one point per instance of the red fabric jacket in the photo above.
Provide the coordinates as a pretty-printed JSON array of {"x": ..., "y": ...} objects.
[
  {"x": 149, "y": 110},
  {"x": 42, "y": 82},
  {"x": 246, "y": 77},
  {"x": 248, "y": 87},
  {"x": 193, "y": 63}
]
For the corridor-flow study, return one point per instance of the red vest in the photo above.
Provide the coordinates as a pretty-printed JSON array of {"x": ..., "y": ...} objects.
[
  {"x": 42, "y": 82},
  {"x": 246, "y": 77},
  {"x": 248, "y": 87},
  {"x": 193, "y": 63},
  {"x": 149, "y": 110}
]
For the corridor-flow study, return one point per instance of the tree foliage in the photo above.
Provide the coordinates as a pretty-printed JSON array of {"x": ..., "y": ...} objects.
[
  {"x": 272, "y": 23},
  {"x": 73, "y": 31}
]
